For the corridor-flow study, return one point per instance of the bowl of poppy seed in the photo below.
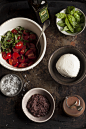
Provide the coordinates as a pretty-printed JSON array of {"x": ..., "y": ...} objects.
[
  {"x": 38, "y": 105},
  {"x": 11, "y": 85}
]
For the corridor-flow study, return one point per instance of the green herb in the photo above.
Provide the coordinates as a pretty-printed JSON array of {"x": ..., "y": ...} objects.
[
  {"x": 22, "y": 57},
  {"x": 61, "y": 23},
  {"x": 69, "y": 25},
  {"x": 76, "y": 15},
  {"x": 70, "y": 10},
  {"x": 61, "y": 15},
  {"x": 65, "y": 28},
  {"x": 72, "y": 21}
]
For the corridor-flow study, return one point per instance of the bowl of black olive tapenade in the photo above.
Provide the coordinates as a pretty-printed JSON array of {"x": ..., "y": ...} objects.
[{"x": 38, "y": 105}]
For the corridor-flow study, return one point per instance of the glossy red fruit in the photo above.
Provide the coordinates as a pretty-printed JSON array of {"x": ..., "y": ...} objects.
[
  {"x": 14, "y": 31},
  {"x": 31, "y": 55},
  {"x": 26, "y": 60},
  {"x": 4, "y": 55},
  {"x": 19, "y": 37},
  {"x": 30, "y": 63},
  {"x": 10, "y": 61},
  {"x": 25, "y": 33},
  {"x": 22, "y": 65},
  {"x": 19, "y": 45},
  {"x": 22, "y": 59},
  {"x": 23, "y": 50},
  {"x": 31, "y": 45},
  {"x": 9, "y": 55},
  {"x": 27, "y": 52},
  {"x": 32, "y": 37},
  {"x": 26, "y": 37},
  {"x": 16, "y": 50},
  {"x": 15, "y": 62},
  {"x": 15, "y": 55}
]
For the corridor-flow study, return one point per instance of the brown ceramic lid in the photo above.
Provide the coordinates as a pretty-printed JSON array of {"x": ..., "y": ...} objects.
[{"x": 72, "y": 110}]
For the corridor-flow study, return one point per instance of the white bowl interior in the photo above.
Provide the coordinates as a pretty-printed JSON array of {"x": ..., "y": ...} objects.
[
  {"x": 48, "y": 96},
  {"x": 64, "y": 32},
  {"x": 27, "y": 24}
]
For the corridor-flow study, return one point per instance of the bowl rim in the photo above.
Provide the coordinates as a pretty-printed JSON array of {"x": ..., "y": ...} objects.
[
  {"x": 74, "y": 34},
  {"x": 49, "y": 62},
  {"x": 30, "y": 96},
  {"x": 19, "y": 89},
  {"x": 44, "y": 49}
]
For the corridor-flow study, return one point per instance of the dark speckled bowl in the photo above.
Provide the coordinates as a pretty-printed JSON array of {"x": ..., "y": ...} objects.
[{"x": 57, "y": 76}]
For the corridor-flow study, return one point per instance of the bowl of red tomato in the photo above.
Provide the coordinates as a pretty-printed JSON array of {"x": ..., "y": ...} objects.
[{"x": 18, "y": 38}]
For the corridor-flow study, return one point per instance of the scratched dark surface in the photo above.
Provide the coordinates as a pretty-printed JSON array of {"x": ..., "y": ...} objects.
[{"x": 11, "y": 114}]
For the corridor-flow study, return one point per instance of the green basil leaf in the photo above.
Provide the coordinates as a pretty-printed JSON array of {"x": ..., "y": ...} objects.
[
  {"x": 70, "y": 10},
  {"x": 76, "y": 15},
  {"x": 60, "y": 15},
  {"x": 65, "y": 28},
  {"x": 61, "y": 23},
  {"x": 78, "y": 29},
  {"x": 72, "y": 20},
  {"x": 69, "y": 25},
  {"x": 82, "y": 19}
]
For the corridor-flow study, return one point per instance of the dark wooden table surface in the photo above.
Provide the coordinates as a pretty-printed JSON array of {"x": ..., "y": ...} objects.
[{"x": 11, "y": 114}]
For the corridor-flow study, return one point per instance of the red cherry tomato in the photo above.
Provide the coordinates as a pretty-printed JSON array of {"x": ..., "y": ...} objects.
[
  {"x": 15, "y": 62},
  {"x": 16, "y": 50},
  {"x": 30, "y": 54},
  {"x": 19, "y": 45},
  {"x": 4, "y": 55},
  {"x": 15, "y": 55},
  {"x": 23, "y": 50},
  {"x": 30, "y": 63},
  {"x": 26, "y": 37},
  {"x": 22, "y": 59},
  {"x": 27, "y": 52},
  {"x": 32, "y": 37},
  {"x": 10, "y": 61},
  {"x": 14, "y": 31},
  {"x": 25, "y": 33},
  {"x": 8, "y": 55},
  {"x": 32, "y": 47},
  {"x": 22, "y": 65},
  {"x": 19, "y": 37}
]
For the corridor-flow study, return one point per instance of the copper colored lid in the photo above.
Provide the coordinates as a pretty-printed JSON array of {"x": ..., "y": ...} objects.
[{"x": 72, "y": 111}]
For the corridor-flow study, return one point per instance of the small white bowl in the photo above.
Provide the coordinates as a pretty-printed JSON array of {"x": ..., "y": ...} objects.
[
  {"x": 27, "y": 24},
  {"x": 64, "y": 32},
  {"x": 41, "y": 91}
]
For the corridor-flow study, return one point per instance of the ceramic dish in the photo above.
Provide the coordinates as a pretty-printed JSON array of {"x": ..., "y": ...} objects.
[
  {"x": 57, "y": 76},
  {"x": 11, "y": 85},
  {"x": 64, "y": 32},
  {"x": 47, "y": 95},
  {"x": 27, "y": 24}
]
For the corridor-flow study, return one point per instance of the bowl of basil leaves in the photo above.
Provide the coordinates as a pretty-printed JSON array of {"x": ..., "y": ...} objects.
[{"x": 71, "y": 21}]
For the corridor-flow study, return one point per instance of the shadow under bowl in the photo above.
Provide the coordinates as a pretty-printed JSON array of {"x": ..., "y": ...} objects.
[{"x": 57, "y": 76}]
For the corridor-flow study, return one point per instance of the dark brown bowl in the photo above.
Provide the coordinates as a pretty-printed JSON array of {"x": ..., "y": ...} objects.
[{"x": 57, "y": 76}]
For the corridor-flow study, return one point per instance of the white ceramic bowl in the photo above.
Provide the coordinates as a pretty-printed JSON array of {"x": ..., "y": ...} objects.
[
  {"x": 47, "y": 95},
  {"x": 64, "y": 32},
  {"x": 27, "y": 24}
]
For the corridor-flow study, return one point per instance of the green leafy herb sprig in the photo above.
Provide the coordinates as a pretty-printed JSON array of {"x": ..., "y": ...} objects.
[
  {"x": 72, "y": 21},
  {"x": 10, "y": 39}
]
